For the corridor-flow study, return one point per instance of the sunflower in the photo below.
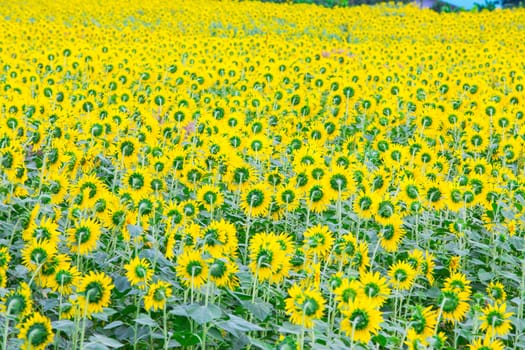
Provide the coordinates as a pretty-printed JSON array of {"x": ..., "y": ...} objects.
[
  {"x": 18, "y": 302},
  {"x": 210, "y": 197},
  {"x": 83, "y": 236},
  {"x": 304, "y": 305},
  {"x": 94, "y": 292},
  {"x": 361, "y": 319},
  {"x": 223, "y": 272},
  {"x": 363, "y": 205},
  {"x": 347, "y": 292},
  {"x": 218, "y": 239},
  {"x": 318, "y": 240},
  {"x": 65, "y": 277},
  {"x": 266, "y": 255},
  {"x": 390, "y": 235},
  {"x": 496, "y": 292},
  {"x": 457, "y": 281},
  {"x": 255, "y": 200},
  {"x": 138, "y": 272},
  {"x": 240, "y": 175},
  {"x": 340, "y": 181},
  {"x": 375, "y": 287},
  {"x": 496, "y": 320},
  {"x": 487, "y": 343},
  {"x": 87, "y": 190},
  {"x": 136, "y": 183},
  {"x": 35, "y": 254},
  {"x": 454, "y": 305},
  {"x": 191, "y": 268},
  {"x": 402, "y": 275},
  {"x": 288, "y": 198},
  {"x": 422, "y": 323},
  {"x": 345, "y": 248},
  {"x": 47, "y": 231},
  {"x": 318, "y": 196},
  {"x": 36, "y": 332},
  {"x": 157, "y": 297}
]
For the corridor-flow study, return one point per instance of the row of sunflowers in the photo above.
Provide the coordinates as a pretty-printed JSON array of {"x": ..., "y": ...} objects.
[{"x": 230, "y": 175}]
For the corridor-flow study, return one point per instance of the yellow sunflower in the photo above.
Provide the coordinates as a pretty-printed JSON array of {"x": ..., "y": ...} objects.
[
  {"x": 318, "y": 240},
  {"x": 83, "y": 236},
  {"x": 496, "y": 320},
  {"x": 158, "y": 294},
  {"x": 454, "y": 305},
  {"x": 138, "y": 272},
  {"x": 266, "y": 256},
  {"x": 487, "y": 343},
  {"x": 304, "y": 305},
  {"x": 375, "y": 287},
  {"x": 255, "y": 200},
  {"x": 191, "y": 268},
  {"x": 402, "y": 275},
  {"x": 496, "y": 291},
  {"x": 361, "y": 320},
  {"x": 210, "y": 197},
  {"x": 94, "y": 292},
  {"x": 36, "y": 332},
  {"x": 18, "y": 302}
]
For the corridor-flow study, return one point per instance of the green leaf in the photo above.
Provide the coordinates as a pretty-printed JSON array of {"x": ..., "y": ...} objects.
[
  {"x": 260, "y": 344},
  {"x": 186, "y": 338},
  {"x": 259, "y": 309},
  {"x": 66, "y": 326},
  {"x": 203, "y": 314},
  {"x": 145, "y": 320},
  {"x": 485, "y": 276},
  {"x": 102, "y": 339},
  {"x": 379, "y": 339},
  {"x": 114, "y": 325},
  {"x": 237, "y": 326}
]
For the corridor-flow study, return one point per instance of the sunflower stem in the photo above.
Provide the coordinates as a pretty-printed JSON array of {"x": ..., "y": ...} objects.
[
  {"x": 6, "y": 329},
  {"x": 165, "y": 327}
]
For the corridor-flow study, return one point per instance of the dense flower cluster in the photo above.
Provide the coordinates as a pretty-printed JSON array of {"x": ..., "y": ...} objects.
[{"x": 213, "y": 173}]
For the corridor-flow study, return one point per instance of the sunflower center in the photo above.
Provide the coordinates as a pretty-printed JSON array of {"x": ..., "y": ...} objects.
[
  {"x": 210, "y": 197},
  {"x": 401, "y": 275},
  {"x": 434, "y": 194},
  {"x": 37, "y": 334},
  {"x": 365, "y": 203},
  {"x": 94, "y": 292},
  {"x": 194, "y": 268},
  {"x": 359, "y": 319},
  {"x": 386, "y": 209},
  {"x": 310, "y": 306},
  {"x": 264, "y": 258},
  {"x": 288, "y": 196},
  {"x": 127, "y": 148},
  {"x": 16, "y": 304},
  {"x": 338, "y": 182},
  {"x": 316, "y": 240},
  {"x": 494, "y": 319},
  {"x": 91, "y": 189},
  {"x": 140, "y": 271},
  {"x": 256, "y": 145},
  {"x": 82, "y": 234},
  {"x": 38, "y": 256},
  {"x": 241, "y": 175},
  {"x": 218, "y": 268},
  {"x": 372, "y": 289},
  {"x": 450, "y": 301},
  {"x": 255, "y": 198},
  {"x": 388, "y": 232},
  {"x": 42, "y": 233},
  {"x": 160, "y": 294},
  {"x": 136, "y": 181},
  {"x": 418, "y": 323},
  {"x": 456, "y": 196},
  {"x": 316, "y": 193},
  {"x": 63, "y": 277},
  {"x": 194, "y": 175},
  {"x": 145, "y": 206},
  {"x": 348, "y": 295},
  {"x": 118, "y": 217},
  {"x": 211, "y": 237},
  {"x": 412, "y": 191}
]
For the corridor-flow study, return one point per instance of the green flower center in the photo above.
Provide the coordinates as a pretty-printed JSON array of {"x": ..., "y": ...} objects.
[
  {"x": 495, "y": 319},
  {"x": 288, "y": 196},
  {"x": 136, "y": 181},
  {"x": 210, "y": 197},
  {"x": 140, "y": 271},
  {"x": 348, "y": 295},
  {"x": 450, "y": 301},
  {"x": 82, "y": 235},
  {"x": 94, "y": 292},
  {"x": 372, "y": 289},
  {"x": 359, "y": 319},
  {"x": 310, "y": 306},
  {"x": 401, "y": 275},
  {"x": 218, "y": 268},
  {"x": 37, "y": 334},
  {"x": 365, "y": 203},
  {"x": 241, "y": 175},
  {"x": 338, "y": 182},
  {"x": 264, "y": 258},
  {"x": 38, "y": 256},
  {"x": 434, "y": 194},
  {"x": 194, "y": 268},
  {"x": 63, "y": 277},
  {"x": 255, "y": 198},
  {"x": 127, "y": 148},
  {"x": 16, "y": 303}
]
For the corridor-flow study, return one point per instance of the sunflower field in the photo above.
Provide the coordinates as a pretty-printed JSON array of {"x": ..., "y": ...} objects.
[{"x": 243, "y": 175}]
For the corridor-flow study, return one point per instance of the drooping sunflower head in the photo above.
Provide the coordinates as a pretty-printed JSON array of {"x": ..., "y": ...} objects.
[{"x": 36, "y": 332}]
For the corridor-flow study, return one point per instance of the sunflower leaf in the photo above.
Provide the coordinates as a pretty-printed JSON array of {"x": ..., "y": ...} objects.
[
  {"x": 203, "y": 314},
  {"x": 102, "y": 339}
]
